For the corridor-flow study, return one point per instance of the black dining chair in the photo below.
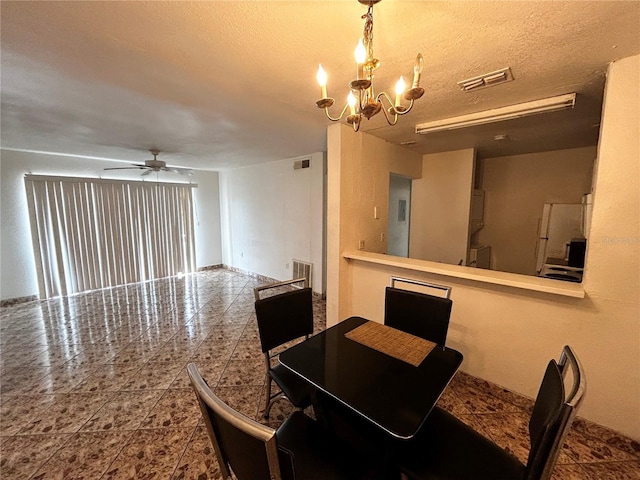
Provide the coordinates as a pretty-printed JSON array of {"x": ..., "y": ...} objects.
[
  {"x": 282, "y": 318},
  {"x": 299, "y": 449},
  {"x": 448, "y": 449},
  {"x": 417, "y": 313},
  {"x": 354, "y": 430}
]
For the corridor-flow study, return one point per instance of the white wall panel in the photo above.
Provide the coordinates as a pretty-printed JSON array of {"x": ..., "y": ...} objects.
[
  {"x": 272, "y": 214},
  {"x": 441, "y": 205}
]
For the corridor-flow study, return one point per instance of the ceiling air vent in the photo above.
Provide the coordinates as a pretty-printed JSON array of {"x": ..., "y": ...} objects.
[{"x": 486, "y": 80}]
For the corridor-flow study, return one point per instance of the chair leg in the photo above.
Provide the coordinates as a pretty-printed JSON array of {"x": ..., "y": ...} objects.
[{"x": 267, "y": 402}]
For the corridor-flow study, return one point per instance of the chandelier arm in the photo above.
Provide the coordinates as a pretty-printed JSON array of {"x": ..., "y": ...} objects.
[
  {"x": 344, "y": 109},
  {"x": 394, "y": 117},
  {"x": 386, "y": 96},
  {"x": 408, "y": 108},
  {"x": 387, "y": 115},
  {"x": 392, "y": 110},
  {"x": 401, "y": 111}
]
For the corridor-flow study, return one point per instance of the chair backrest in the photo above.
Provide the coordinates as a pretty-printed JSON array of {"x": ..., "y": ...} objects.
[
  {"x": 249, "y": 448},
  {"x": 443, "y": 290},
  {"x": 284, "y": 317},
  {"x": 420, "y": 314},
  {"x": 553, "y": 413}
]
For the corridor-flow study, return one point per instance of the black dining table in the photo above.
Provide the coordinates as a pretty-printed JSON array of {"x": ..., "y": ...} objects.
[{"x": 392, "y": 394}]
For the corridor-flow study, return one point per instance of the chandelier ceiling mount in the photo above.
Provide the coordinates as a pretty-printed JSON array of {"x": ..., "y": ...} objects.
[{"x": 362, "y": 100}]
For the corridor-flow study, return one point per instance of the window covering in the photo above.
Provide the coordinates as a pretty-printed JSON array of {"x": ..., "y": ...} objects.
[{"x": 93, "y": 233}]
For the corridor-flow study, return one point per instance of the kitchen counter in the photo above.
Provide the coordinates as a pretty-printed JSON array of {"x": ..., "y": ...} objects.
[{"x": 526, "y": 282}]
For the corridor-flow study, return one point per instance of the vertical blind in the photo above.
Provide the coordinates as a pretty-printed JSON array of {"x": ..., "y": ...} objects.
[{"x": 92, "y": 233}]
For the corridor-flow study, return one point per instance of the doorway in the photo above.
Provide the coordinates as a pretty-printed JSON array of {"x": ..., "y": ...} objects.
[{"x": 399, "y": 215}]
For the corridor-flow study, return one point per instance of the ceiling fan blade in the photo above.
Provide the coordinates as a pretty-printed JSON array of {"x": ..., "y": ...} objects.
[
  {"x": 181, "y": 171},
  {"x": 134, "y": 166},
  {"x": 154, "y": 165},
  {"x": 124, "y": 168}
]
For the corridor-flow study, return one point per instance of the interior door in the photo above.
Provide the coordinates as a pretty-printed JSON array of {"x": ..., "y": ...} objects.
[{"x": 399, "y": 215}]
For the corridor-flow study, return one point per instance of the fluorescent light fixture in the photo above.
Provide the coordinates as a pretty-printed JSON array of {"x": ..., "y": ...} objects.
[{"x": 551, "y": 104}]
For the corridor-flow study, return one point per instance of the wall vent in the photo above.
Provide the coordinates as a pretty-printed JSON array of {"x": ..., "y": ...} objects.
[
  {"x": 298, "y": 164},
  {"x": 487, "y": 80},
  {"x": 302, "y": 270}
]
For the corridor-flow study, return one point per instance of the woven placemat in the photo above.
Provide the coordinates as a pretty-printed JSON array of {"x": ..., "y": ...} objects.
[{"x": 391, "y": 341}]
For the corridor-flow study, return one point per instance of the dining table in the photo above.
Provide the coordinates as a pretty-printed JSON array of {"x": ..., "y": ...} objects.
[{"x": 390, "y": 378}]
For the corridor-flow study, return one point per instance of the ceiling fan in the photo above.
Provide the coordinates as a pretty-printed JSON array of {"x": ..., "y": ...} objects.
[{"x": 154, "y": 165}]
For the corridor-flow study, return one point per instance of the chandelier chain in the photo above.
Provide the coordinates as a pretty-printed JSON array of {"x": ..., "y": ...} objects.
[{"x": 367, "y": 33}]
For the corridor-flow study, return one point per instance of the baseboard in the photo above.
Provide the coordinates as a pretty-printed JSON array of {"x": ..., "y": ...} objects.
[
  {"x": 206, "y": 268},
  {"x": 10, "y": 302},
  {"x": 263, "y": 278}
]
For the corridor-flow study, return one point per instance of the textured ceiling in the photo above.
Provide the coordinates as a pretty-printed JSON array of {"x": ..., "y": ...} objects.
[{"x": 228, "y": 83}]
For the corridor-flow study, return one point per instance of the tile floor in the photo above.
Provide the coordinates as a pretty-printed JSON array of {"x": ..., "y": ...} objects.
[{"x": 94, "y": 386}]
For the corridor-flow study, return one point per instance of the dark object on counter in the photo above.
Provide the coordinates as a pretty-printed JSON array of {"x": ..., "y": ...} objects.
[
  {"x": 567, "y": 277},
  {"x": 577, "y": 251}
]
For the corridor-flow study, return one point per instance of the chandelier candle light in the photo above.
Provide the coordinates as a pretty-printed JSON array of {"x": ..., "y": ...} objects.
[{"x": 362, "y": 100}]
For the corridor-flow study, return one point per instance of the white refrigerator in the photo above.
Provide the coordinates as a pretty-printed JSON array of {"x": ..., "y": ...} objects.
[{"x": 560, "y": 223}]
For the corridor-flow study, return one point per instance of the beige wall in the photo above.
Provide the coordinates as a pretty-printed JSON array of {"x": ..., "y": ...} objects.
[
  {"x": 516, "y": 188},
  {"x": 440, "y": 207},
  {"x": 358, "y": 170},
  {"x": 507, "y": 335}
]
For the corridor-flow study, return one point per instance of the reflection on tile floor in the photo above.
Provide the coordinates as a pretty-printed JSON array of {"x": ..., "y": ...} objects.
[{"x": 94, "y": 386}]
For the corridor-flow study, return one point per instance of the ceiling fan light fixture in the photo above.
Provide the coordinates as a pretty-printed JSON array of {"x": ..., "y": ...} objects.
[
  {"x": 154, "y": 165},
  {"x": 510, "y": 112}
]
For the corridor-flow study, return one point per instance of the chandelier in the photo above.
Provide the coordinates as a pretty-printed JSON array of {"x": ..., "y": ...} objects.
[{"x": 362, "y": 99}]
